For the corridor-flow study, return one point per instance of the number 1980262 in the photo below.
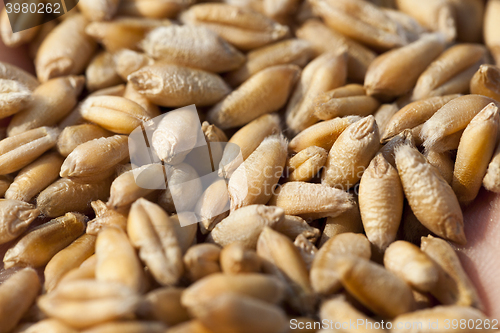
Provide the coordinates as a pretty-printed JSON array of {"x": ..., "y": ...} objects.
[{"x": 34, "y": 8}]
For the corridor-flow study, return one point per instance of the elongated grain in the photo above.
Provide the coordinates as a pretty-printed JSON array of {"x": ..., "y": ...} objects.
[
  {"x": 476, "y": 148},
  {"x": 254, "y": 180},
  {"x": 65, "y": 195},
  {"x": 39, "y": 245},
  {"x": 381, "y": 200},
  {"x": 152, "y": 232},
  {"x": 67, "y": 259},
  {"x": 245, "y": 225},
  {"x": 351, "y": 153},
  {"x": 73, "y": 136},
  {"x": 421, "y": 181},
  {"x": 486, "y": 82},
  {"x": 250, "y": 100},
  {"x": 173, "y": 85},
  {"x": 318, "y": 77},
  {"x": 394, "y": 73},
  {"x": 290, "y": 51},
  {"x": 18, "y": 151},
  {"x": 66, "y": 50},
  {"x": 35, "y": 177},
  {"x": 192, "y": 46},
  {"x": 15, "y": 218},
  {"x": 246, "y": 29},
  {"x": 17, "y": 294}
]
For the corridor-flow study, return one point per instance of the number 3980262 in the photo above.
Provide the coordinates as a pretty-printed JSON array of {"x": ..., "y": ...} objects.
[{"x": 34, "y": 8}]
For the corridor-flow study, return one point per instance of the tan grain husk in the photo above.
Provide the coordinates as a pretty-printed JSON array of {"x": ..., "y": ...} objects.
[
  {"x": 395, "y": 73},
  {"x": 236, "y": 259},
  {"x": 117, "y": 260},
  {"x": 363, "y": 22},
  {"x": 324, "y": 277},
  {"x": 453, "y": 117},
  {"x": 328, "y": 107},
  {"x": 244, "y": 28},
  {"x": 306, "y": 164},
  {"x": 247, "y": 139},
  {"x": 378, "y": 289},
  {"x": 486, "y": 82},
  {"x": 454, "y": 286},
  {"x": 351, "y": 153},
  {"x": 67, "y": 259},
  {"x": 231, "y": 312},
  {"x": 14, "y": 96},
  {"x": 316, "y": 78},
  {"x": 17, "y": 294},
  {"x": 186, "y": 197},
  {"x": 291, "y": 51},
  {"x": 213, "y": 205},
  {"x": 192, "y": 46},
  {"x": 164, "y": 304},
  {"x": 124, "y": 32},
  {"x": 85, "y": 303},
  {"x": 282, "y": 259},
  {"x": 65, "y": 195},
  {"x": 15, "y": 218},
  {"x": 324, "y": 39},
  {"x": 201, "y": 260},
  {"x": 51, "y": 102},
  {"x": 381, "y": 201},
  {"x": 76, "y": 118},
  {"x": 116, "y": 114},
  {"x": 18, "y": 151},
  {"x": 449, "y": 64},
  {"x": 412, "y": 265},
  {"x": 65, "y": 51},
  {"x": 73, "y": 136},
  {"x": 39, "y": 245},
  {"x": 491, "y": 180},
  {"x": 101, "y": 73},
  {"x": 475, "y": 151},
  {"x": 175, "y": 136},
  {"x": 469, "y": 17},
  {"x": 174, "y": 86},
  {"x": 258, "y": 286},
  {"x": 95, "y": 157},
  {"x": 311, "y": 201},
  {"x": 153, "y": 233},
  {"x": 35, "y": 177},
  {"x": 442, "y": 215},
  {"x": 323, "y": 134},
  {"x": 491, "y": 31},
  {"x": 414, "y": 114},
  {"x": 244, "y": 225},
  {"x": 254, "y": 180},
  {"x": 43, "y": 32},
  {"x": 186, "y": 235},
  {"x": 249, "y": 101},
  {"x": 439, "y": 316}
]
